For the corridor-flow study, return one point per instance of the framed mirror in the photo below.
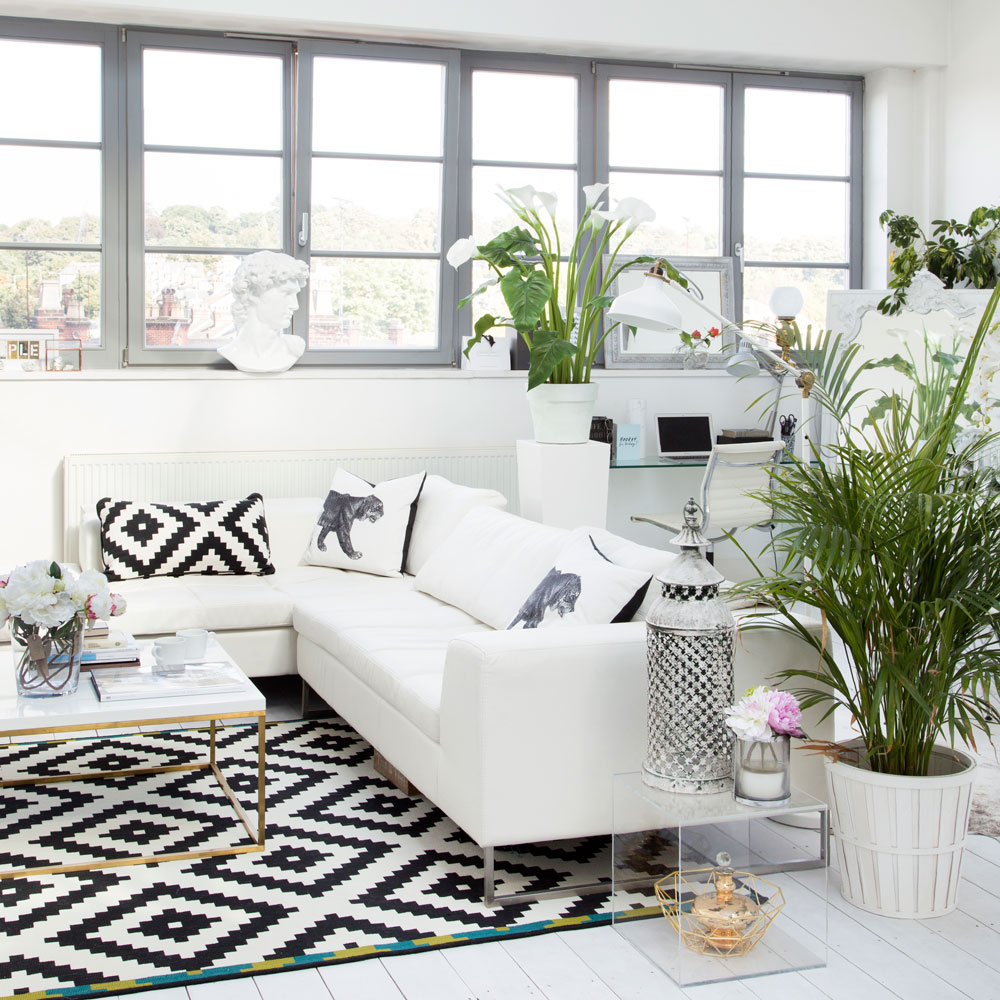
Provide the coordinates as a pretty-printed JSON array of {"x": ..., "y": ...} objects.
[{"x": 711, "y": 278}]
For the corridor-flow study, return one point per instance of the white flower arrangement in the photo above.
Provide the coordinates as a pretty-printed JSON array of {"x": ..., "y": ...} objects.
[
  {"x": 763, "y": 714},
  {"x": 42, "y": 595}
]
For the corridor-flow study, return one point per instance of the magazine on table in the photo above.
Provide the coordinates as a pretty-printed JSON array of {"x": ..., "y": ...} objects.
[{"x": 124, "y": 683}]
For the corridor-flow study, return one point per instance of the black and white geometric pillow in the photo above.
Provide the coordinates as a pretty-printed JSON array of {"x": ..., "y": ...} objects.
[
  {"x": 139, "y": 540},
  {"x": 583, "y": 588}
]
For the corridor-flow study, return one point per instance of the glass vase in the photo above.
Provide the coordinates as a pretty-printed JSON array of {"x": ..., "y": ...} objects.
[
  {"x": 47, "y": 665},
  {"x": 695, "y": 359},
  {"x": 762, "y": 772}
]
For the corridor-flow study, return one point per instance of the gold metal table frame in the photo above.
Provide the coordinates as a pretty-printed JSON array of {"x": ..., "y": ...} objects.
[{"x": 256, "y": 832}]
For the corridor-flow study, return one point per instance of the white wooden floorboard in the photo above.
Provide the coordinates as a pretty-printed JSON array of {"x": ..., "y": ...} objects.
[
  {"x": 365, "y": 980},
  {"x": 300, "y": 984},
  {"x": 968, "y": 934},
  {"x": 979, "y": 904},
  {"x": 225, "y": 989},
  {"x": 175, "y": 993},
  {"x": 556, "y": 969},
  {"x": 932, "y": 961},
  {"x": 490, "y": 973},
  {"x": 427, "y": 976},
  {"x": 984, "y": 847},
  {"x": 981, "y": 872}
]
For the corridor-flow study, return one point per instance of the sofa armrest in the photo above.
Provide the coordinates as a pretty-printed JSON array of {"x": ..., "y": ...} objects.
[{"x": 534, "y": 724}]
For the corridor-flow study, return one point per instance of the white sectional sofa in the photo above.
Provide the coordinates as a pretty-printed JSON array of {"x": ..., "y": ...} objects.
[{"x": 514, "y": 734}]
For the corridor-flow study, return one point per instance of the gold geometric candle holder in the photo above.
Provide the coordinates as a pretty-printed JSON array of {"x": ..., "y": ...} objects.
[{"x": 717, "y": 911}]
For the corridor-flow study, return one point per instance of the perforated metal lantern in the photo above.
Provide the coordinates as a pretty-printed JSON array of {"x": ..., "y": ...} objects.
[{"x": 690, "y": 642}]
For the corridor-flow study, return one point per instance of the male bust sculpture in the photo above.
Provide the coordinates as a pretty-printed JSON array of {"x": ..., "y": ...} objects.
[{"x": 266, "y": 290}]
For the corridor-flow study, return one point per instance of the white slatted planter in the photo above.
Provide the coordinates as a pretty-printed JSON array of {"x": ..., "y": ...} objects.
[{"x": 900, "y": 839}]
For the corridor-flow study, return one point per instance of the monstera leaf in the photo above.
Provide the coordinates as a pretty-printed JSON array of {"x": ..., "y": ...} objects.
[
  {"x": 547, "y": 351},
  {"x": 525, "y": 295}
]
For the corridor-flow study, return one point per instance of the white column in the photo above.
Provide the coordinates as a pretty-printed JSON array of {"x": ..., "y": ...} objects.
[{"x": 565, "y": 485}]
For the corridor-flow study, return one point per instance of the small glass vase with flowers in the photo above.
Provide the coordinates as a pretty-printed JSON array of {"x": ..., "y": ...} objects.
[
  {"x": 764, "y": 722},
  {"x": 698, "y": 346}
]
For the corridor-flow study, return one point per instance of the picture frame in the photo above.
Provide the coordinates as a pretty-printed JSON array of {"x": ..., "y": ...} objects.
[
  {"x": 713, "y": 276},
  {"x": 24, "y": 352}
]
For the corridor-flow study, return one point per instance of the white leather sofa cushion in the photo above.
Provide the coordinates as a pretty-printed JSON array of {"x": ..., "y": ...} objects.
[
  {"x": 290, "y": 523},
  {"x": 327, "y": 583},
  {"x": 394, "y": 642},
  {"x": 441, "y": 506},
  {"x": 167, "y": 603},
  {"x": 490, "y": 563}
]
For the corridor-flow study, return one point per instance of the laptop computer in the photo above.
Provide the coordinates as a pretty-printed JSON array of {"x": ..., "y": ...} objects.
[{"x": 684, "y": 436}]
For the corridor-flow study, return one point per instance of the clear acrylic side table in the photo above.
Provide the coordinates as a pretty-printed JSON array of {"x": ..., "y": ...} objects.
[{"x": 656, "y": 833}]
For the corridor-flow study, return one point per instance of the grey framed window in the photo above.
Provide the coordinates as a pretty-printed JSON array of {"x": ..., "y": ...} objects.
[
  {"x": 376, "y": 166},
  {"x": 526, "y": 120},
  {"x": 796, "y": 189},
  {"x": 762, "y": 167},
  {"x": 210, "y": 169},
  {"x": 60, "y": 266}
]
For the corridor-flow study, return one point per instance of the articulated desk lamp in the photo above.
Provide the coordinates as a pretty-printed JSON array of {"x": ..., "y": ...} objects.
[{"x": 651, "y": 307}]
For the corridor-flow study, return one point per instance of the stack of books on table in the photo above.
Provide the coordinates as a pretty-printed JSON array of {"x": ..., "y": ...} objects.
[
  {"x": 104, "y": 647},
  {"x": 126, "y": 683}
]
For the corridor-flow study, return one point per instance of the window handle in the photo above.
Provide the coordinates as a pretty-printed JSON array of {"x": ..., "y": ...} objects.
[
  {"x": 738, "y": 251},
  {"x": 304, "y": 231}
]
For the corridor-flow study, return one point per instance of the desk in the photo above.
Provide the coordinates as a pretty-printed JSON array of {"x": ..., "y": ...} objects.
[{"x": 656, "y": 462}]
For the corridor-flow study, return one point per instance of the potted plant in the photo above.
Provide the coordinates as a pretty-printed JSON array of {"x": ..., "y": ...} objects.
[
  {"x": 556, "y": 296},
  {"x": 895, "y": 543},
  {"x": 956, "y": 252}
]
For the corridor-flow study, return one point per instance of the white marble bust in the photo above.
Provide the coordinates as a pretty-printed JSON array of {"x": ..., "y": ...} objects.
[{"x": 266, "y": 290}]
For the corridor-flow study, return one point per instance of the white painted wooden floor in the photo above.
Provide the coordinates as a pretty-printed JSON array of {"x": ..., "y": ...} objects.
[{"x": 870, "y": 958}]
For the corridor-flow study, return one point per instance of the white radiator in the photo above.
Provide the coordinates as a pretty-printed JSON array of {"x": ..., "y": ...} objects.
[{"x": 186, "y": 476}]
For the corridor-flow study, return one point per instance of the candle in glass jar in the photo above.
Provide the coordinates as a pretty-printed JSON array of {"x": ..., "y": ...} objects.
[{"x": 756, "y": 783}]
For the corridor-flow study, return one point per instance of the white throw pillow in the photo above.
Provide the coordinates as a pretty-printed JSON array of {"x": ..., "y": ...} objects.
[
  {"x": 583, "y": 587},
  {"x": 365, "y": 527},
  {"x": 441, "y": 506},
  {"x": 489, "y": 563}
]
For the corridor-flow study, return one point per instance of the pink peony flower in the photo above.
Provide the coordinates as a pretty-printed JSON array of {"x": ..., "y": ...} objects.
[{"x": 785, "y": 715}]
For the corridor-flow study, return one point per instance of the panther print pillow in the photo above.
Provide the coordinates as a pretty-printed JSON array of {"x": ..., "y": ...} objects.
[
  {"x": 583, "y": 588},
  {"x": 365, "y": 527}
]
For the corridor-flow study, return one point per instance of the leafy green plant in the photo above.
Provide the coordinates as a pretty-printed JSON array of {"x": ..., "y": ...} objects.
[
  {"x": 556, "y": 304},
  {"x": 897, "y": 547},
  {"x": 955, "y": 252}
]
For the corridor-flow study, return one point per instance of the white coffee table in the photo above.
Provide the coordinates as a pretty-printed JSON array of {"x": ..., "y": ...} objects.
[{"x": 83, "y": 711}]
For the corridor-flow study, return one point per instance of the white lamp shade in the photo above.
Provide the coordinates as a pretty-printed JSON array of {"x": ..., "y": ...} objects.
[
  {"x": 786, "y": 302},
  {"x": 648, "y": 307},
  {"x": 743, "y": 363}
]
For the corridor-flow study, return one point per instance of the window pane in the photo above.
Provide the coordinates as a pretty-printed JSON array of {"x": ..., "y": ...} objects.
[
  {"x": 214, "y": 201},
  {"x": 50, "y": 195},
  {"x": 524, "y": 116},
  {"x": 796, "y": 220},
  {"x": 215, "y": 99},
  {"x": 375, "y": 205},
  {"x": 813, "y": 282},
  {"x": 370, "y": 303},
  {"x": 52, "y": 290},
  {"x": 378, "y": 106},
  {"x": 188, "y": 303},
  {"x": 52, "y": 90},
  {"x": 490, "y": 215},
  {"x": 658, "y": 124},
  {"x": 797, "y": 132},
  {"x": 688, "y": 213}
]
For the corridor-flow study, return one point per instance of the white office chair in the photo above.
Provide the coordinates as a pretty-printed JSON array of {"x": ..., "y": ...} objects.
[{"x": 733, "y": 471}]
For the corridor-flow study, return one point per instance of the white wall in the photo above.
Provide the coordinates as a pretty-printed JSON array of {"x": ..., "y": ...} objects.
[
  {"x": 49, "y": 416},
  {"x": 971, "y": 139},
  {"x": 849, "y": 36}
]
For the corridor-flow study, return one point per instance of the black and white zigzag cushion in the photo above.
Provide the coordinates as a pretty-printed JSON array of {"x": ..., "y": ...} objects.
[{"x": 159, "y": 539}]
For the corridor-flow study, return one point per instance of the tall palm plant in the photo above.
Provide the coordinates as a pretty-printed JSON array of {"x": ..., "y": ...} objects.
[{"x": 897, "y": 547}]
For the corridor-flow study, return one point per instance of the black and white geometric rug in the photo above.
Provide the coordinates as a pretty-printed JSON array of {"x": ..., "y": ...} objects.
[{"x": 352, "y": 867}]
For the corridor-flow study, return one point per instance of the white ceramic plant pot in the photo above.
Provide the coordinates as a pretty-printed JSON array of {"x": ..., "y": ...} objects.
[
  {"x": 900, "y": 839},
  {"x": 561, "y": 414}
]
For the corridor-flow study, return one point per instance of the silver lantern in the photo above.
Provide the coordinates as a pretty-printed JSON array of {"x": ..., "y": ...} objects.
[{"x": 690, "y": 643}]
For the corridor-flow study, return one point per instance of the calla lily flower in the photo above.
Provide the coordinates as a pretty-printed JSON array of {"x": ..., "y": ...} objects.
[
  {"x": 548, "y": 200},
  {"x": 635, "y": 212},
  {"x": 461, "y": 251},
  {"x": 592, "y": 194},
  {"x": 526, "y": 195}
]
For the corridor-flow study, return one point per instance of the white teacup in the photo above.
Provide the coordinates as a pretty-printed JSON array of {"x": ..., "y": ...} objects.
[
  {"x": 168, "y": 652},
  {"x": 195, "y": 642}
]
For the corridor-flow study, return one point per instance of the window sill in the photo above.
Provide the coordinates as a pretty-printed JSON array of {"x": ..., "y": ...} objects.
[{"x": 165, "y": 374}]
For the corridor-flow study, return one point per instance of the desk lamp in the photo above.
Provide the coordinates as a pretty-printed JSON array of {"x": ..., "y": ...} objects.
[{"x": 651, "y": 307}]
